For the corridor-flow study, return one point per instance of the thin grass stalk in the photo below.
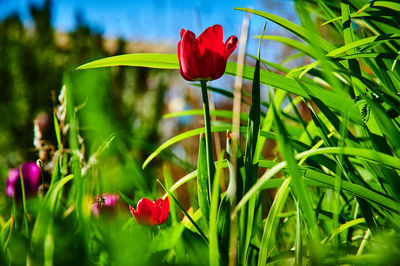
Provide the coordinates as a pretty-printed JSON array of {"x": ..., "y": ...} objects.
[
  {"x": 214, "y": 256},
  {"x": 168, "y": 183},
  {"x": 363, "y": 242},
  {"x": 272, "y": 221},
  {"x": 237, "y": 102},
  {"x": 24, "y": 204},
  {"x": 298, "y": 253},
  {"x": 343, "y": 134},
  {"x": 303, "y": 124}
]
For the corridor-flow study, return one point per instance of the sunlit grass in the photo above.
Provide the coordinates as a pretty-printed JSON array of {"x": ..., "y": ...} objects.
[{"x": 330, "y": 194}]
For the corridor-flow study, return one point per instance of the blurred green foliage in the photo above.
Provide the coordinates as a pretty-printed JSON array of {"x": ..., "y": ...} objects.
[
  {"x": 122, "y": 106},
  {"x": 35, "y": 62}
]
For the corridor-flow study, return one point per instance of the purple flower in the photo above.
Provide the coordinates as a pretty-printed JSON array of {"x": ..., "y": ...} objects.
[
  {"x": 31, "y": 176},
  {"x": 105, "y": 203}
]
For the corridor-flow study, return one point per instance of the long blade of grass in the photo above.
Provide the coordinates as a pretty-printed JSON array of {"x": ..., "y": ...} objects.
[
  {"x": 299, "y": 31},
  {"x": 346, "y": 226},
  {"x": 203, "y": 185},
  {"x": 271, "y": 224},
  {"x": 198, "y": 112},
  {"x": 25, "y": 215},
  {"x": 213, "y": 225},
  {"x": 185, "y": 135},
  {"x": 297, "y": 183}
]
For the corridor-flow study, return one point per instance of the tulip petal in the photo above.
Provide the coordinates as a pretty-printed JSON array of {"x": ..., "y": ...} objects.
[
  {"x": 230, "y": 45},
  {"x": 144, "y": 207},
  {"x": 219, "y": 66},
  {"x": 164, "y": 210},
  {"x": 133, "y": 211},
  {"x": 155, "y": 215},
  {"x": 189, "y": 55},
  {"x": 212, "y": 39},
  {"x": 207, "y": 63},
  {"x": 180, "y": 64},
  {"x": 142, "y": 220}
]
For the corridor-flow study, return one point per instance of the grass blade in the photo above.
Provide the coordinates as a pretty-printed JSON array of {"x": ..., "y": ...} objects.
[
  {"x": 203, "y": 185},
  {"x": 297, "y": 183}
]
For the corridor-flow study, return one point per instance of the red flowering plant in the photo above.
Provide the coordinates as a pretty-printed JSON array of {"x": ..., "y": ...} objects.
[
  {"x": 150, "y": 212},
  {"x": 204, "y": 58}
]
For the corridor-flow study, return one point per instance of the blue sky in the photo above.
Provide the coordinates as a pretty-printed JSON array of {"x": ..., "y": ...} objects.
[{"x": 157, "y": 20}]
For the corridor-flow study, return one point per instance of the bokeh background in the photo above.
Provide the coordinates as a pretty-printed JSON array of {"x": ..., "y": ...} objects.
[{"x": 41, "y": 44}]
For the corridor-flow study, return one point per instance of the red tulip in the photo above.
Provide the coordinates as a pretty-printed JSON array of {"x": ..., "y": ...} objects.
[
  {"x": 149, "y": 212},
  {"x": 204, "y": 58}
]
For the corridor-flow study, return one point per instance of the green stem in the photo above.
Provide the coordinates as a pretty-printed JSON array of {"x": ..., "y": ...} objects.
[
  {"x": 207, "y": 122},
  {"x": 24, "y": 203}
]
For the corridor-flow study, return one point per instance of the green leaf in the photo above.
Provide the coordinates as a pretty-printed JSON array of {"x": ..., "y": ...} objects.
[
  {"x": 184, "y": 211},
  {"x": 203, "y": 189},
  {"x": 347, "y": 225},
  {"x": 58, "y": 132},
  {"x": 6, "y": 230},
  {"x": 354, "y": 44},
  {"x": 127, "y": 199},
  {"x": 213, "y": 225},
  {"x": 387, "y": 4},
  {"x": 199, "y": 112},
  {"x": 253, "y": 128},
  {"x": 21, "y": 178},
  {"x": 153, "y": 60},
  {"x": 354, "y": 189},
  {"x": 299, "y": 31},
  {"x": 297, "y": 183},
  {"x": 185, "y": 135},
  {"x": 272, "y": 222},
  {"x": 306, "y": 49},
  {"x": 223, "y": 227}
]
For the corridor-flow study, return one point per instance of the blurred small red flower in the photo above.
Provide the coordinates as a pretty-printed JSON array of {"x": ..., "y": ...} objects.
[
  {"x": 204, "y": 58},
  {"x": 149, "y": 212}
]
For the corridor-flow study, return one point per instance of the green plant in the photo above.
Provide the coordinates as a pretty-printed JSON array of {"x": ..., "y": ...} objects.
[{"x": 333, "y": 186}]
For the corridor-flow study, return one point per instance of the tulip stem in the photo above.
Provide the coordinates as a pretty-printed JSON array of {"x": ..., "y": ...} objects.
[{"x": 207, "y": 122}]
